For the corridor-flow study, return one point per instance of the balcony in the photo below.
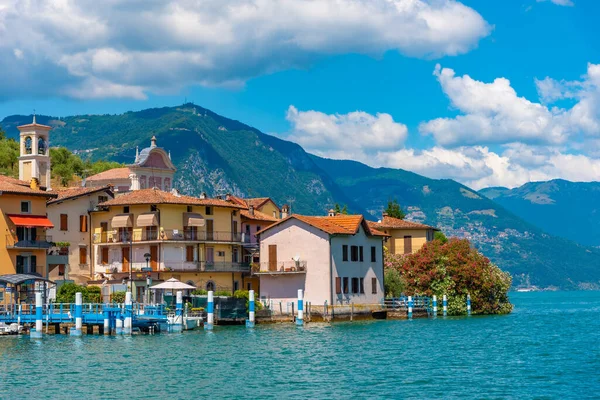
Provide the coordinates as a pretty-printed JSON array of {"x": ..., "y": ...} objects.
[
  {"x": 35, "y": 242},
  {"x": 178, "y": 266},
  {"x": 177, "y": 235},
  {"x": 282, "y": 267}
]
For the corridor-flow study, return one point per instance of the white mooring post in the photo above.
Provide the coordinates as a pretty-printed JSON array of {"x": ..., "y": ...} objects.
[
  {"x": 250, "y": 320},
  {"x": 37, "y": 332},
  {"x": 445, "y": 305},
  {"x": 210, "y": 310},
  {"x": 300, "y": 317},
  {"x": 410, "y": 307},
  {"x": 178, "y": 321},
  {"x": 78, "y": 315},
  {"x": 468, "y": 304},
  {"x": 127, "y": 324},
  {"x": 119, "y": 325},
  {"x": 106, "y": 322},
  {"x": 434, "y": 305}
]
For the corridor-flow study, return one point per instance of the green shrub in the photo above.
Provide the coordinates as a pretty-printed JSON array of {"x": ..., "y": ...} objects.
[
  {"x": 245, "y": 294},
  {"x": 118, "y": 297},
  {"x": 223, "y": 293},
  {"x": 200, "y": 292}
]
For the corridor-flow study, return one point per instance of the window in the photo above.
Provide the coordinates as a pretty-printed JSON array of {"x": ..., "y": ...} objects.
[
  {"x": 102, "y": 199},
  {"x": 189, "y": 208},
  {"x": 249, "y": 286},
  {"x": 83, "y": 255},
  {"x": 362, "y": 285},
  {"x": 83, "y": 223},
  {"x": 153, "y": 208},
  {"x": 361, "y": 254},
  {"x": 373, "y": 254},
  {"x": 338, "y": 285},
  {"x": 41, "y": 146},
  {"x": 28, "y": 145},
  {"x": 235, "y": 255},
  {"x": 236, "y": 285},
  {"x": 353, "y": 253},
  {"x": 189, "y": 253},
  {"x": 126, "y": 210},
  {"x": 354, "y": 285},
  {"x": 209, "y": 210},
  {"x": 374, "y": 285},
  {"x": 210, "y": 286},
  {"x": 143, "y": 182},
  {"x": 220, "y": 254},
  {"x": 104, "y": 255},
  {"x": 234, "y": 213},
  {"x": 345, "y": 280},
  {"x": 64, "y": 222},
  {"x": 345, "y": 252},
  {"x": 26, "y": 207}
]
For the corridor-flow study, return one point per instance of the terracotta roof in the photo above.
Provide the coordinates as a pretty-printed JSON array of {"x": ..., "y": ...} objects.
[
  {"x": 256, "y": 202},
  {"x": 115, "y": 173},
  {"x": 14, "y": 186},
  {"x": 156, "y": 196},
  {"x": 74, "y": 192},
  {"x": 337, "y": 225},
  {"x": 35, "y": 125},
  {"x": 396, "y": 223},
  {"x": 258, "y": 216}
]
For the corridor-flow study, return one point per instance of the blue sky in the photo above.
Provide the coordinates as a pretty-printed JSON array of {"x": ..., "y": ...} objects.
[{"x": 467, "y": 100}]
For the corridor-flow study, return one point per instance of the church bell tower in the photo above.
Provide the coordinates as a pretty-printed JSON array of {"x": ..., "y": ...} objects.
[{"x": 34, "y": 158}]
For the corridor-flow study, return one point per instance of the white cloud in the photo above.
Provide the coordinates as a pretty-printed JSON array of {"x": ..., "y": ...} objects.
[
  {"x": 559, "y": 2},
  {"x": 351, "y": 135},
  {"x": 157, "y": 46}
]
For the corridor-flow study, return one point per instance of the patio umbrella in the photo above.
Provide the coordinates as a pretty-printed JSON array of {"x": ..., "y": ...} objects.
[{"x": 172, "y": 284}]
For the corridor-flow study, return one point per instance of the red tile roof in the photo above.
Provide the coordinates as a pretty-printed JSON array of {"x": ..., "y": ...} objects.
[
  {"x": 14, "y": 186},
  {"x": 337, "y": 225},
  {"x": 156, "y": 196},
  {"x": 115, "y": 173},
  {"x": 74, "y": 192},
  {"x": 258, "y": 216},
  {"x": 396, "y": 223},
  {"x": 256, "y": 202}
]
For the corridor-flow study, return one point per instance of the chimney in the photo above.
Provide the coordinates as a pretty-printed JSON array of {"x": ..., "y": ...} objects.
[
  {"x": 331, "y": 213},
  {"x": 384, "y": 214},
  {"x": 153, "y": 142},
  {"x": 34, "y": 184},
  {"x": 203, "y": 195},
  {"x": 251, "y": 209},
  {"x": 285, "y": 211}
]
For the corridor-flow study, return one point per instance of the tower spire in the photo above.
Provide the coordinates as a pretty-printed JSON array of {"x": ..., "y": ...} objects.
[
  {"x": 137, "y": 153},
  {"x": 34, "y": 116}
]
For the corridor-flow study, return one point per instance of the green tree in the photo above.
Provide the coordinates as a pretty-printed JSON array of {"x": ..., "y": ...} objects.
[
  {"x": 340, "y": 210},
  {"x": 9, "y": 155},
  {"x": 439, "y": 235},
  {"x": 394, "y": 210},
  {"x": 393, "y": 283},
  {"x": 65, "y": 165}
]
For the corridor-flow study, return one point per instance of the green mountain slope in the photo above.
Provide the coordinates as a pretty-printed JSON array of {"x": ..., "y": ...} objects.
[
  {"x": 562, "y": 208},
  {"x": 217, "y": 155},
  {"x": 517, "y": 246}
]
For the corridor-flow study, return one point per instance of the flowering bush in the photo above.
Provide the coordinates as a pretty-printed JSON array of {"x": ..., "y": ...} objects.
[{"x": 455, "y": 269}]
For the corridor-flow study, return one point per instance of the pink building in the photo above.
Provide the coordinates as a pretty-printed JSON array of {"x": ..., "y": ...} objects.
[{"x": 336, "y": 259}]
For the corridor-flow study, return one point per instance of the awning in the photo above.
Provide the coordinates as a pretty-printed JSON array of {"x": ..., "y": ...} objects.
[
  {"x": 193, "y": 219},
  {"x": 37, "y": 221},
  {"x": 121, "y": 221},
  {"x": 16, "y": 279},
  {"x": 147, "y": 219}
]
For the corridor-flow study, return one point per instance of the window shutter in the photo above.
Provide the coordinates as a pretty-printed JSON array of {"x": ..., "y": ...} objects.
[
  {"x": 373, "y": 254},
  {"x": 338, "y": 285},
  {"x": 374, "y": 285},
  {"x": 104, "y": 255},
  {"x": 345, "y": 285},
  {"x": 361, "y": 253},
  {"x": 189, "y": 253},
  {"x": 83, "y": 255},
  {"x": 407, "y": 244},
  {"x": 362, "y": 285},
  {"x": 345, "y": 252},
  {"x": 64, "y": 219},
  {"x": 83, "y": 223}
]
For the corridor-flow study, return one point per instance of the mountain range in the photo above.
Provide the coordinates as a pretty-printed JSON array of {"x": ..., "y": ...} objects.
[{"x": 218, "y": 155}]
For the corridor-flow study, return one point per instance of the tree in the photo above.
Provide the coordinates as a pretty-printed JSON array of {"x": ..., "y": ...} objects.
[
  {"x": 454, "y": 269},
  {"x": 392, "y": 282},
  {"x": 340, "y": 210},
  {"x": 9, "y": 156},
  {"x": 394, "y": 210},
  {"x": 439, "y": 235}
]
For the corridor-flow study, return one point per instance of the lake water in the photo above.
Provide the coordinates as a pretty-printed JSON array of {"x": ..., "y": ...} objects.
[{"x": 549, "y": 347}]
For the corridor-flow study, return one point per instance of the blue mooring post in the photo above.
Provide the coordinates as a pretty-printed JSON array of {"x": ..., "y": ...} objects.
[
  {"x": 468, "y": 304},
  {"x": 434, "y": 305},
  {"x": 37, "y": 332},
  {"x": 78, "y": 315},
  {"x": 210, "y": 310},
  {"x": 178, "y": 321},
  {"x": 300, "y": 317},
  {"x": 250, "y": 320},
  {"x": 410, "y": 307},
  {"x": 445, "y": 305}
]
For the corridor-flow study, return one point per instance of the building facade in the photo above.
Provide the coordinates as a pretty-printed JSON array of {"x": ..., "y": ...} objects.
[
  {"x": 70, "y": 215},
  {"x": 195, "y": 240},
  {"x": 336, "y": 259},
  {"x": 406, "y": 237}
]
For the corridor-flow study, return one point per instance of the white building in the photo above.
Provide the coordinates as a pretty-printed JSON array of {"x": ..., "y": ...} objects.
[
  {"x": 34, "y": 158},
  {"x": 336, "y": 259}
]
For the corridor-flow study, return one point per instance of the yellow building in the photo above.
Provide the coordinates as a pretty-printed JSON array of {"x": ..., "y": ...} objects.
[
  {"x": 164, "y": 235},
  {"x": 23, "y": 224},
  {"x": 406, "y": 237}
]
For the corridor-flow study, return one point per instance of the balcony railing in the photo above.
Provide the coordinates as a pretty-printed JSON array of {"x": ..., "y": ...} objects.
[
  {"x": 283, "y": 267},
  {"x": 37, "y": 242},
  {"x": 180, "y": 266},
  {"x": 166, "y": 235}
]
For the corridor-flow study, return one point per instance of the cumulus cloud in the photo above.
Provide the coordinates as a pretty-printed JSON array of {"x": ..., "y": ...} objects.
[{"x": 159, "y": 46}]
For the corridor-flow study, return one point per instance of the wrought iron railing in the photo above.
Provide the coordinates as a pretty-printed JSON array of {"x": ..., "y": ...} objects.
[
  {"x": 167, "y": 235},
  {"x": 283, "y": 267},
  {"x": 37, "y": 242}
]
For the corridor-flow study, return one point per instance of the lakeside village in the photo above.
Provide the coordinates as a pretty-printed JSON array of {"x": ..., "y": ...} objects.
[{"x": 126, "y": 233}]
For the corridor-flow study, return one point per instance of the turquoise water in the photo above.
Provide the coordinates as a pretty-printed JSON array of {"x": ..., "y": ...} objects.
[{"x": 548, "y": 348}]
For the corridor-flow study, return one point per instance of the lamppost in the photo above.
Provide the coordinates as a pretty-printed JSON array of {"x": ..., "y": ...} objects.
[{"x": 147, "y": 256}]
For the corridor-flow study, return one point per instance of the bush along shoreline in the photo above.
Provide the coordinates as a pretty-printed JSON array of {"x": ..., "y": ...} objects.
[{"x": 454, "y": 268}]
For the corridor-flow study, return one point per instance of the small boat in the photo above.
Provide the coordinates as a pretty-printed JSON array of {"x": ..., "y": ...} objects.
[{"x": 12, "y": 329}]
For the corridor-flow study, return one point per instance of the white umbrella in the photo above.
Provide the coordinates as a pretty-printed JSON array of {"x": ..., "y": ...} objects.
[{"x": 172, "y": 284}]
